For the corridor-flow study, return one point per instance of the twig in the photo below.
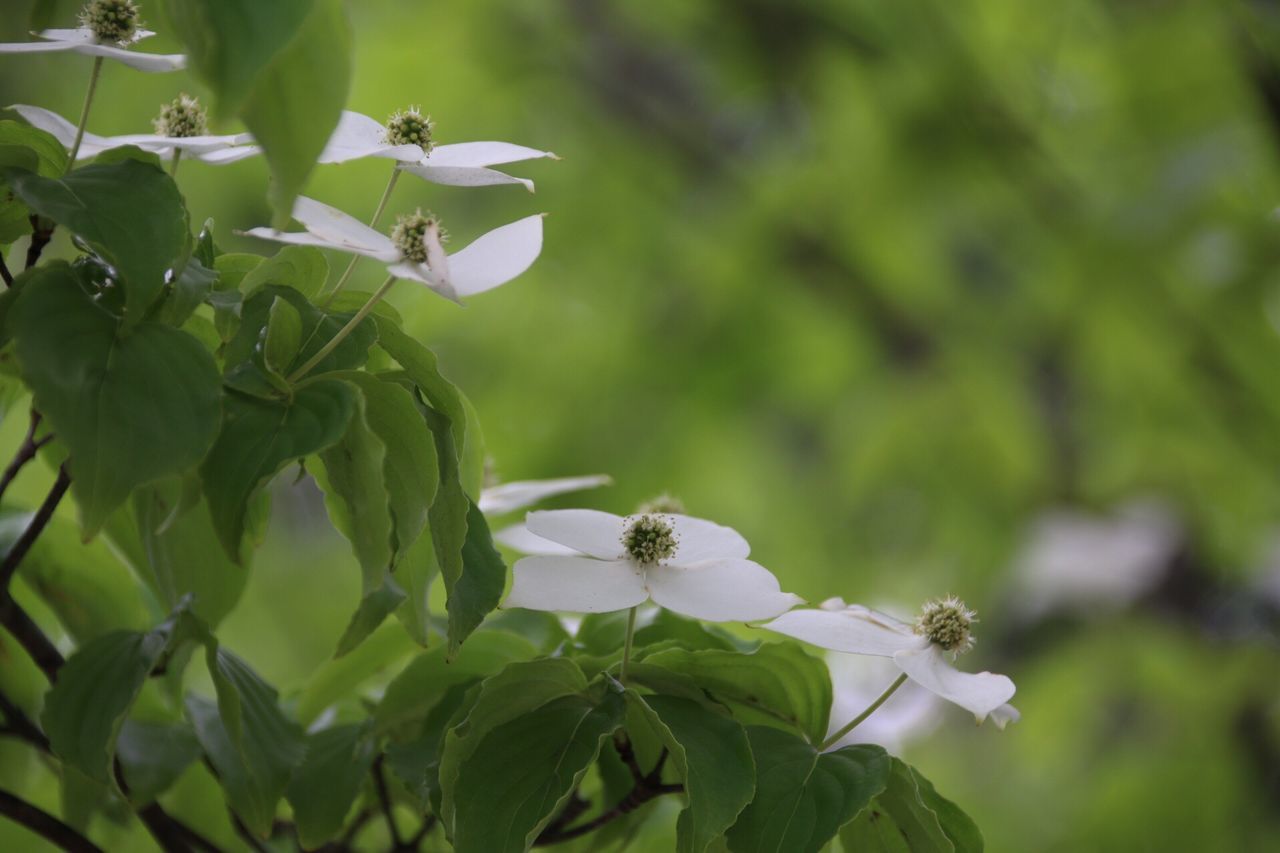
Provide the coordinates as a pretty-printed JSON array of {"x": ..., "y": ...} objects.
[
  {"x": 30, "y": 637},
  {"x": 45, "y": 824},
  {"x": 26, "y": 452},
  {"x": 4, "y": 272},
  {"x": 20, "y": 725},
  {"x": 34, "y": 529},
  {"x": 384, "y": 800},
  {"x": 40, "y": 237},
  {"x": 428, "y": 824}
]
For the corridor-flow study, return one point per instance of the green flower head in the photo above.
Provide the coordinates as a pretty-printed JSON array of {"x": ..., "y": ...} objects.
[
  {"x": 410, "y": 127},
  {"x": 182, "y": 117},
  {"x": 112, "y": 21}
]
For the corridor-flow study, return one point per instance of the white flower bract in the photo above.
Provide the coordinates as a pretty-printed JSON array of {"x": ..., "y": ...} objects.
[
  {"x": 855, "y": 629},
  {"x": 82, "y": 40},
  {"x": 491, "y": 260},
  {"x": 209, "y": 149},
  {"x": 518, "y": 494},
  {"x": 708, "y": 576}
]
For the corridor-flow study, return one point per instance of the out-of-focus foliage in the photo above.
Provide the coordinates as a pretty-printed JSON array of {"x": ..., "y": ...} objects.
[{"x": 877, "y": 284}]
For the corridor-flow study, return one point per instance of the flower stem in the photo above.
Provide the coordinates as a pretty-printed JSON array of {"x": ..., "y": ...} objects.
[
  {"x": 84, "y": 112},
  {"x": 626, "y": 646},
  {"x": 173, "y": 164},
  {"x": 373, "y": 223},
  {"x": 870, "y": 709},
  {"x": 343, "y": 332}
]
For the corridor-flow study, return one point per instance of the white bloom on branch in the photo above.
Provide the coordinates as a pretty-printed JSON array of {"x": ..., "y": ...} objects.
[
  {"x": 83, "y": 40},
  {"x": 924, "y": 651},
  {"x": 690, "y": 566},
  {"x": 856, "y": 682},
  {"x": 518, "y": 494},
  {"x": 406, "y": 138},
  {"x": 415, "y": 250},
  {"x": 206, "y": 148}
]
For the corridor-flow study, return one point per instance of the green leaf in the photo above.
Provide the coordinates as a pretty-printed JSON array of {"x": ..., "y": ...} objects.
[
  {"x": 374, "y": 607},
  {"x": 518, "y": 689},
  {"x": 130, "y": 409},
  {"x": 423, "y": 370},
  {"x": 713, "y": 757},
  {"x": 284, "y": 336},
  {"x": 187, "y": 293},
  {"x": 477, "y": 592},
  {"x": 50, "y": 155},
  {"x": 803, "y": 797},
  {"x": 524, "y": 771},
  {"x": 341, "y": 678},
  {"x": 183, "y": 555},
  {"x": 416, "y": 762},
  {"x": 130, "y": 212},
  {"x": 302, "y": 268},
  {"x": 777, "y": 684},
  {"x": 30, "y": 150},
  {"x": 258, "y": 438},
  {"x": 233, "y": 268},
  {"x": 253, "y": 768},
  {"x": 96, "y": 687},
  {"x": 909, "y": 816},
  {"x": 153, "y": 756},
  {"x": 415, "y": 573},
  {"x": 329, "y": 780}
]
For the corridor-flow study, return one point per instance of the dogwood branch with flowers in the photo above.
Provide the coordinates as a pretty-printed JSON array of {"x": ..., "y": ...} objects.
[{"x": 170, "y": 382}]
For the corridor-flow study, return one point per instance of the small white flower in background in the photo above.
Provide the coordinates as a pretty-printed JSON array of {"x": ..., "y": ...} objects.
[
  {"x": 923, "y": 651},
  {"x": 407, "y": 139},
  {"x": 1074, "y": 560},
  {"x": 690, "y": 566},
  {"x": 107, "y": 29},
  {"x": 518, "y": 494},
  {"x": 183, "y": 114},
  {"x": 910, "y": 713},
  {"x": 415, "y": 251}
]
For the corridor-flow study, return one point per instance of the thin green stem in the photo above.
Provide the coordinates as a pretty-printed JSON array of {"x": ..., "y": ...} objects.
[
  {"x": 173, "y": 164},
  {"x": 870, "y": 709},
  {"x": 343, "y": 332},
  {"x": 626, "y": 646},
  {"x": 373, "y": 223},
  {"x": 84, "y": 113}
]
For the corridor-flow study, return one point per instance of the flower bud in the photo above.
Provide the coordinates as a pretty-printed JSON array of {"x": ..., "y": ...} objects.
[{"x": 112, "y": 21}]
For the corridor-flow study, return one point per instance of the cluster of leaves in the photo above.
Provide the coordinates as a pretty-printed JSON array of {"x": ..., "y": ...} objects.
[{"x": 165, "y": 378}]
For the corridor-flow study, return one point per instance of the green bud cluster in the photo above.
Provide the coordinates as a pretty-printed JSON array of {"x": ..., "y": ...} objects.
[
  {"x": 946, "y": 622},
  {"x": 663, "y": 503},
  {"x": 182, "y": 117},
  {"x": 649, "y": 540},
  {"x": 112, "y": 21},
  {"x": 410, "y": 127},
  {"x": 409, "y": 235}
]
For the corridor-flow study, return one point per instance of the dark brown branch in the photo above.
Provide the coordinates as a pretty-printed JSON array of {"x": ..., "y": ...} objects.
[
  {"x": 26, "y": 452},
  {"x": 35, "y": 528},
  {"x": 40, "y": 237},
  {"x": 30, "y": 637},
  {"x": 4, "y": 272},
  {"x": 44, "y": 824},
  {"x": 384, "y": 800},
  {"x": 20, "y": 725}
]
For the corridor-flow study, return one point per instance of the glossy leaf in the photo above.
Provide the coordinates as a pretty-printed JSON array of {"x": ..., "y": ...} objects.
[{"x": 329, "y": 779}]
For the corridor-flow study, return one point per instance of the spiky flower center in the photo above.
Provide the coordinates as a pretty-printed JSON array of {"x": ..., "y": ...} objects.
[
  {"x": 112, "y": 21},
  {"x": 182, "y": 117},
  {"x": 650, "y": 539},
  {"x": 410, "y": 127},
  {"x": 410, "y": 232},
  {"x": 947, "y": 622},
  {"x": 663, "y": 503}
]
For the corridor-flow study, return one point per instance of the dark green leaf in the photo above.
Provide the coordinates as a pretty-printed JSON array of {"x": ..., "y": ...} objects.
[
  {"x": 523, "y": 772},
  {"x": 342, "y": 678},
  {"x": 50, "y": 155},
  {"x": 258, "y": 438},
  {"x": 375, "y": 607},
  {"x": 154, "y": 755},
  {"x": 956, "y": 825},
  {"x": 477, "y": 592},
  {"x": 803, "y": 797},
  {"x": 329, "y": 780},
  {"x": 909, "y": 816},
  {"x": 129, "y": 212},
  {"x": 130, "y": 409},
  {"x": 415, "y": 573},
  {"x": 416, "y": 762},
  {"x": 284, "y": 336},
  {"x": 302, "y": 268}
]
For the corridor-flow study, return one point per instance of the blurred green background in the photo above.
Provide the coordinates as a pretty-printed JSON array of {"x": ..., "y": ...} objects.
[{"x": 879, "y": 285}]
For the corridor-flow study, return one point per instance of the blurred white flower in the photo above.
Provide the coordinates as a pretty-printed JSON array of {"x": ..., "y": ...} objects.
[
  {"x": 406, "y": 138},
  {"x": 82, "y": 40},
  {"x": 209, "y": 149},
  {"x": 414, "y": 250},
  {"x": 518, "y": 494},
  {"x": 923, "y": 651},
  {"x": 1076, "y": 561},
  {"x": 690, "y": 566},
  {"x": 910, "y": 713}
]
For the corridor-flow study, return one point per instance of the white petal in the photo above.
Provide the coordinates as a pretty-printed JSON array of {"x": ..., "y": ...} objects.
[
  {"x": 496, "y": 257},
  {"x": 980, "y": 693},
  {"x": 474, "y": 154},
  {"x": 465, "y": 176},
  {"x": 53, "y": 124},
  {"x": 576, "y": 584},
  {"x": 857, "y": 630},
  {"x": 588, "y": 531},
  {"x": 79, "y": 35},
  {"x": 233, "y": 154},
  {"x": 517, "y": 537},
  {"x": 345, "y": 231},
  {"x": 357, "y": 136},
  {"x": 1004, "y": 715},
  {"x": 522, "y": 493},
  {"x": 188, "y": 144},
  {"x": 157, "y": 62},
  {"x": 306, "y": 238},
  {"x": 423, "y": 274},
  {"x": 720, "y": 590},
  {"x": 700, "y": 539}
]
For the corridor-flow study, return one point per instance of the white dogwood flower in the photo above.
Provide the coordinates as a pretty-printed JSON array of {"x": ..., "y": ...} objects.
[
  {"x": 518, "y": 494},
  {"x": 922, "y": 651},
  {"x": 406, "y": 138},
  {"x": 415, "y": 248},
  {"x": 108, "y": 29},
  {"x": 209, "y": 149},
  {"x": 687, "y": 565}
]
